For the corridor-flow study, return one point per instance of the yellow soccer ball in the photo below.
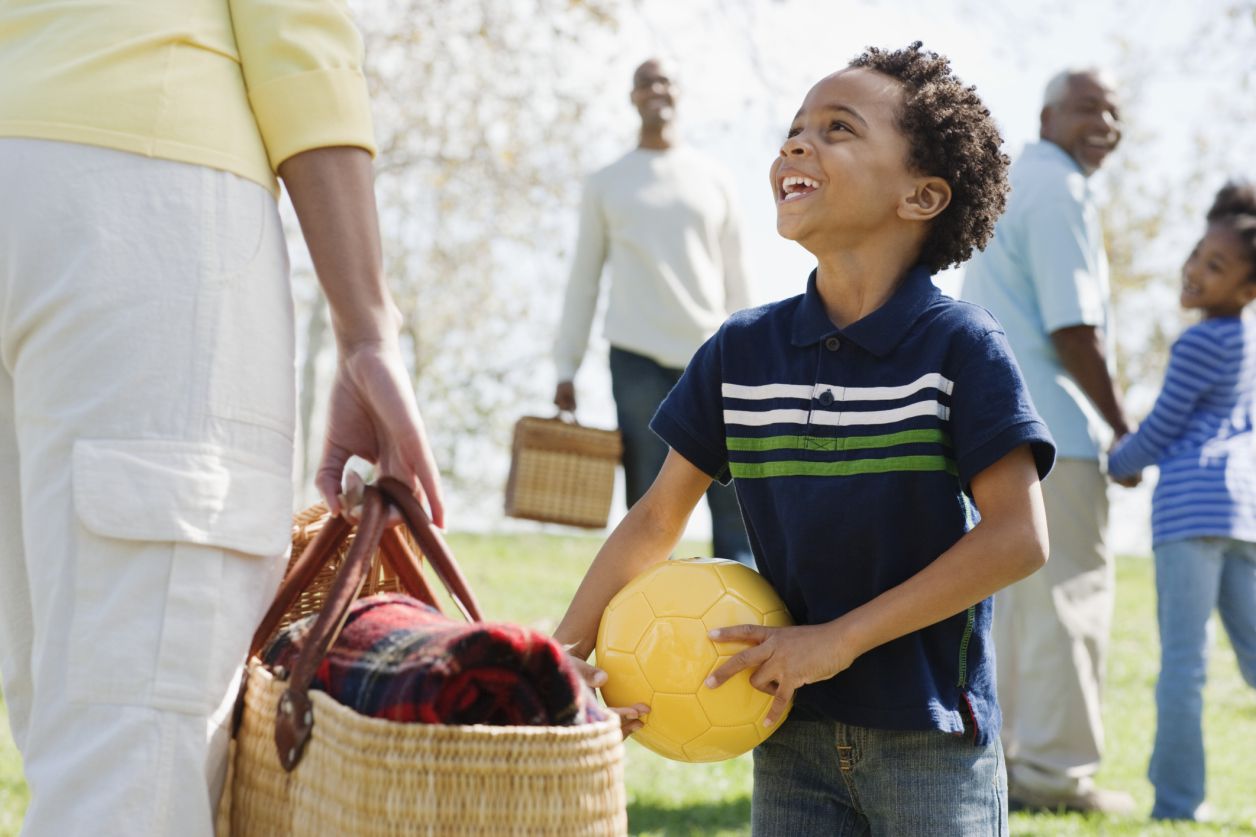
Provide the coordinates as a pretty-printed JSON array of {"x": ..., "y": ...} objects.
[{"x": 653, "y": 645}]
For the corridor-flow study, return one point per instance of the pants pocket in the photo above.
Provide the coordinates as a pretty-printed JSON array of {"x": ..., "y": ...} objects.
[{"x": 179, "y": 547}]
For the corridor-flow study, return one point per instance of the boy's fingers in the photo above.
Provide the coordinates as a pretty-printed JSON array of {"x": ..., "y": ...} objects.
[
  {"x": 779, "y": 704},
  {"x": 589, "y": 673},
  {"x": 748, "y": 658},
  {"x": 739, "y": 633},
  {"x": 630, "y": 717}
]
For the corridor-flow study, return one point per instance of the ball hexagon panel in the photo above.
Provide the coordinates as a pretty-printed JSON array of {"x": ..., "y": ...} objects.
[
  {"x": 625, "y": 683},
  {"x": 734, "y": 701},
  {"x": 675, "y": 654},
  {"x": 730, "y": 610},
  {"x": 719, "y": 743},
  {"x": 625, "y": 621},
  {"x": 676, "y": 718},
  {"x": 659, "y": 744},
  {"x": 778, "y": 619},
  {"x": 682, "y": 587}
]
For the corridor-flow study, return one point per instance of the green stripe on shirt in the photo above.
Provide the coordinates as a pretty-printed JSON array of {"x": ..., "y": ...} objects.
[
  {"x": 885, "y": 440},
  {"x": 851, "y": 467}
]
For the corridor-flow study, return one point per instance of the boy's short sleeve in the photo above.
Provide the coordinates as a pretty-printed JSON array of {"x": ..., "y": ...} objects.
[
  {"x": 691, "y": 418},
  {"x": 991, "y": 411}
]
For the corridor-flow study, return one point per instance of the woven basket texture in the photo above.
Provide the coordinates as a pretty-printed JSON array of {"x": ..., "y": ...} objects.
[
  {"x": 367, "y": 776},
  {"x": 562, "y": 472},
  {"x": 305, "y": 527}
]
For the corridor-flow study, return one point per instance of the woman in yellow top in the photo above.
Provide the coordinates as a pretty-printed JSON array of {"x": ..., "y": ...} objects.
[{"x": 146, "y": 373}]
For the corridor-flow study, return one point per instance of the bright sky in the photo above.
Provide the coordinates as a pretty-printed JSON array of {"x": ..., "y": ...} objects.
[{"x": 743, "y": 69}]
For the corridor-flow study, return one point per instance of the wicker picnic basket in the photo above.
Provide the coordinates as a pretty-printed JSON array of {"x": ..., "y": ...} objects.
[
  {"x": 303, "y": 764},
  {"x": 562, "y": 472}
]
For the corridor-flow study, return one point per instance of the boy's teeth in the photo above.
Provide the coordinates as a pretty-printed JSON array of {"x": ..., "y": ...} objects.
[{"x": 794, "y": 185}]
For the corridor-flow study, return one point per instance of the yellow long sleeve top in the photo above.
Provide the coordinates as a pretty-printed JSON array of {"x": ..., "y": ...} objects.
[{"x": 239, "y": 85}]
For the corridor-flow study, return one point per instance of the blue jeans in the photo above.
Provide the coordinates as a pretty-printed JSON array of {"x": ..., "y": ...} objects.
[
  {"x": 817, "y": 776},
  {"x": 1193, "y": 576},
  {"x": 639, "y": 386}
]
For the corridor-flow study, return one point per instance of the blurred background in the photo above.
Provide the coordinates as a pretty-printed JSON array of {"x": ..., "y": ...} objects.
[{"x": 490, "y": 112}]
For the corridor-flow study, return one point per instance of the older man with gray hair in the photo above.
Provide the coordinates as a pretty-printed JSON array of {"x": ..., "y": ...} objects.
[{"x": 1045, "y": 277}]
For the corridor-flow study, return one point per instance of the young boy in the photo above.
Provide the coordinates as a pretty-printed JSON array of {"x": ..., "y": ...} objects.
[{"x": 861, "y": 423}]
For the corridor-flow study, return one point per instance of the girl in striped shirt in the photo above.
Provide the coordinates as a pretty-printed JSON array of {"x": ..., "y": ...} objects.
[{"x": 1200, "y": 435}]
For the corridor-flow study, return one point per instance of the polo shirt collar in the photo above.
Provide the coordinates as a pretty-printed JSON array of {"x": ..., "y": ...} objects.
[{"x": 879, "y": 332}]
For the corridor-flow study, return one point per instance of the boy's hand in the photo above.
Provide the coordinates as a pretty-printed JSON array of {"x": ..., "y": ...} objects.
[
  {"x": 782, "y": 658},
  {"x": 629, "y": 716}
]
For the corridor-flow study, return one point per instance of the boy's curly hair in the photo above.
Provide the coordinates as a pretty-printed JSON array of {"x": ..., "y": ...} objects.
[
  {"x": 1235, "y": 206},
  {"x": 951, "y": 135}
]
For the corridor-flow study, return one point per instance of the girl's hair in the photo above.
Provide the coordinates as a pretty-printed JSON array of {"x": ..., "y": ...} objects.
[{"x": 1235, "y": 206}]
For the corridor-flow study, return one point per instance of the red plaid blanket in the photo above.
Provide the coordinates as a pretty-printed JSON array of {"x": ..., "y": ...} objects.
[{"x": 399, "y": 659}]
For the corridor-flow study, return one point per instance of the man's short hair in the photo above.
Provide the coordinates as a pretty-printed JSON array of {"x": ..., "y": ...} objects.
[
  {"x": 950, "y": 134},
  {"x": 1058, "y": 87}
]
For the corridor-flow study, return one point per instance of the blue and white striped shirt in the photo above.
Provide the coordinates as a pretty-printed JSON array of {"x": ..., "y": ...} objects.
[{"x": 1200, "y": 434}]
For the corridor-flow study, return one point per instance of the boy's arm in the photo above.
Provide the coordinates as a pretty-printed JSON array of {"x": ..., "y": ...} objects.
[
  {"x": 1008, "y": 544},
  {"x": 647, "y": 535}
]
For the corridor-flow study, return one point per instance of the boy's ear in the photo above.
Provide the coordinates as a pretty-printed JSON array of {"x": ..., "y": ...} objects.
[{"x": 926, "y": 201}]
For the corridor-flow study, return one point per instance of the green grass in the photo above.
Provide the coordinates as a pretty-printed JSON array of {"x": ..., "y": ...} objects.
[{"x": 528, "y": 578}]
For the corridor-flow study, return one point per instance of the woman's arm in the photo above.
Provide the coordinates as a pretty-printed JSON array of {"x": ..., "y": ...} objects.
[{"x": 373, "y": 413}]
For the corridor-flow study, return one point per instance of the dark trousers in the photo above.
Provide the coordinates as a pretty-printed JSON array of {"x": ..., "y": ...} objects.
[{"x": 639, "y": 385}]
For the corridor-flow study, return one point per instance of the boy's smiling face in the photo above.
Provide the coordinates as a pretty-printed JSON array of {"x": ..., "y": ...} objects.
[{"x": 842, "y": 173}]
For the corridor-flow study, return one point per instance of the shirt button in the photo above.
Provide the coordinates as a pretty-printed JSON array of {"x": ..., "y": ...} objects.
[
  {"x": 832, "y": 344},
  {"x": 826, "y": 397}
]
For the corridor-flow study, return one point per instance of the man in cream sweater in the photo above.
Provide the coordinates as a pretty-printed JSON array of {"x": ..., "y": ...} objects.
[{"x": 665, "y": 220}]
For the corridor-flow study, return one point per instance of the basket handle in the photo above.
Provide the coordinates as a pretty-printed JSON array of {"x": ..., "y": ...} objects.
[
  {"x": 325, "y": 544},
  {"x": 295, "y": 718}
]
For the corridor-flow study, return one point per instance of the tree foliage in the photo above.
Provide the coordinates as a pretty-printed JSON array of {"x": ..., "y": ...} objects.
[
  {"x": 482, "y": 123},
  {"x": 1153, "y": 213}
]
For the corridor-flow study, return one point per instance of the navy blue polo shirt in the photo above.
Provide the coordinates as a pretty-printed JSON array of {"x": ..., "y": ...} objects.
[{"x": 852, "y": 451}]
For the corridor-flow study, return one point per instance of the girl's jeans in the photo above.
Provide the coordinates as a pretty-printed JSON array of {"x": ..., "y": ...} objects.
[
  {"x": 817, "y": 776},
  {"x": 1193, "y": 576}
]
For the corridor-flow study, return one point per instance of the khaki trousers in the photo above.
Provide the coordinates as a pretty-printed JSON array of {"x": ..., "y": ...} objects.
[
  {"x": 146, "y": 415},
  {"x": 1051, "y": 634}
]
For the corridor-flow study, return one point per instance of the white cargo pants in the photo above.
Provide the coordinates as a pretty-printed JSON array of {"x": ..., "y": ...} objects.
[{"x": 146, "y": 415}]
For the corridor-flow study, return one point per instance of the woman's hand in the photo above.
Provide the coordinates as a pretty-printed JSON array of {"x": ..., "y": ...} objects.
[
  {"x": 373, "y": 415},
  {"x": 629, "y": 716},
  {"x": 783, "y": 659}
]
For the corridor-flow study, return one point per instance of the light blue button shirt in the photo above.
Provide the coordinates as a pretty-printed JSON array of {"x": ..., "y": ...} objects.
[{"x": 1044, "y": 270}]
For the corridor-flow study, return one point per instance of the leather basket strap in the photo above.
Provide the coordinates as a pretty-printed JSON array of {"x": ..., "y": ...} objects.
[
  {"x": 432, "y": 545},
  {"x": 316, "y": 555},
  {"x": 294, "y": 718},
  {"x": 405, "y": 564}
]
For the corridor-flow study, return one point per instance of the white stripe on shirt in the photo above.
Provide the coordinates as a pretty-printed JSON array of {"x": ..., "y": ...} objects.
[
  {"x": 930, "y": 380},
  {"x": 835, "y": 418}
]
